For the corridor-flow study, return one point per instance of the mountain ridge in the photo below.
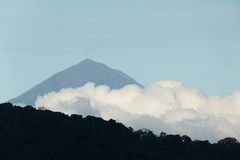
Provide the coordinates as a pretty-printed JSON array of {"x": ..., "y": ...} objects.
[{"x": 76, "y": 76}]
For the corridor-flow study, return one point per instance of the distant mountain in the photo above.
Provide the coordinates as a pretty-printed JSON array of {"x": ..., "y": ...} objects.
[
  {"x": 76, "y": 76},
  {"x": 30, "y": 134}
]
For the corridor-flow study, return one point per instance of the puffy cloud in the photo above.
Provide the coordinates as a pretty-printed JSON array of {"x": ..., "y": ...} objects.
[{"x": 167, "y": 106}]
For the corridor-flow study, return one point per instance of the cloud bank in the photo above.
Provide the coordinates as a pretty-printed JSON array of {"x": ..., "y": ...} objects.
[{"x": 163, "y": 106}]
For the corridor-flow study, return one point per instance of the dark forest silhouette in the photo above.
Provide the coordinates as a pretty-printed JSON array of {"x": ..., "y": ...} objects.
[{"x": 28, "y": 133}]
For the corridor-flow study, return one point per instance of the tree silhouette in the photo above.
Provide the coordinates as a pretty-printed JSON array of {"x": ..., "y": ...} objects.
[{"x": 28, "y": 133}]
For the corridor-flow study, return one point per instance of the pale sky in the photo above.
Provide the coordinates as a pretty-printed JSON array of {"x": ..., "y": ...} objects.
[{"x": 196, "y": 42}]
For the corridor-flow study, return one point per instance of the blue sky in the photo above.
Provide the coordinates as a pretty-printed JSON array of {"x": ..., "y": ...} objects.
[{"x": 197, "y": 42}]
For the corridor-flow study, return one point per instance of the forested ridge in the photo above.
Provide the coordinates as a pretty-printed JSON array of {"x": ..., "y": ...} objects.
[{"x": 30, "y": 133}]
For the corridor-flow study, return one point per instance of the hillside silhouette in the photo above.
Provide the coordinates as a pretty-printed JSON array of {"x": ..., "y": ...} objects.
[{"x": 30, "y": 133}]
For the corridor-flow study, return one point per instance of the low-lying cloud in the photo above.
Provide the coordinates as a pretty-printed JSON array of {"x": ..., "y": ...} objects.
[{"x": 163, "y": 106}]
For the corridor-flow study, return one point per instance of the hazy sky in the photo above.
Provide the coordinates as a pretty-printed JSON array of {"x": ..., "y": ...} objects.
[{"x": 197, "y": 42}]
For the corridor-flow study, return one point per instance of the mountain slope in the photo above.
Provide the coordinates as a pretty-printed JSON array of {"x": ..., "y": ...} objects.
[{"x": 76, "y": 76}]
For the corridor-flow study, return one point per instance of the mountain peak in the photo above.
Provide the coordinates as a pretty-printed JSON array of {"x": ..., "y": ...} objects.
[
  {"x": 87, "y": 60},
  {"x": 76, "y": 76}
]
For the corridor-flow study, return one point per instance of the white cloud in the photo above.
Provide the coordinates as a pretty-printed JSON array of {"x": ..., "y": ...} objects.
[{"x": 167, "y": 106}]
